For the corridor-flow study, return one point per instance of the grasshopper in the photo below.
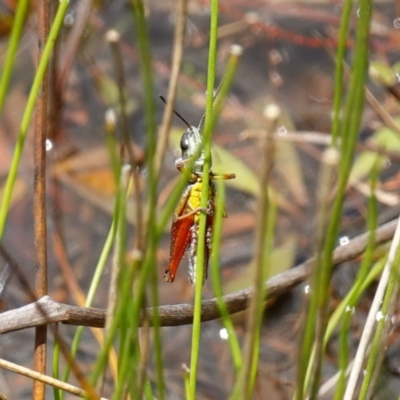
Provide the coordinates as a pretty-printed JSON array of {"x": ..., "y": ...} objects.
[{"x": 185, "y": 223}]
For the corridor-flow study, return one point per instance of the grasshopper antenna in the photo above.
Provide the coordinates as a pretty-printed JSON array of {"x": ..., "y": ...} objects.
[
  {"x": 176, "y": 112},
  {"x": 215, "y": 96}
]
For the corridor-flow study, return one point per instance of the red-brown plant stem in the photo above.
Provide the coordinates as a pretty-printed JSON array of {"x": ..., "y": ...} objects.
[
  {"x": 39, "y": 201},
  {"x": 177, "y": 55}
]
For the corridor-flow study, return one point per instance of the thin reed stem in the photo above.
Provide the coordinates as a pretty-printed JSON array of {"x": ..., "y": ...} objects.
[
  {"x": 216, "y": 277},
  {"x": 339, "y": 70},
  {"x": 39, "y": 199},
  {"x": 200, "y": 255},
  {"x": 15, "y": 36},
  {"x": 38, "y": 79},
  {"x": 350, "y": 129},
  {"x": 263, "y": 246},
  {"x": 177, "y": 55}
]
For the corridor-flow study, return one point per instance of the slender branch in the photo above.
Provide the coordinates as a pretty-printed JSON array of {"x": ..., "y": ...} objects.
[
  {"x": 46, "y": 311},
  {"x": 263, "y": 244},
  {"x": 376, "y": 305},
  {"x": 43, "y": 378},
  {"x": 177, "y": 55},
  {"x": 39, "y": 200}
]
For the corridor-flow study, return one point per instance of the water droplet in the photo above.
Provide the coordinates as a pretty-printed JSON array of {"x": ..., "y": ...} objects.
[
  {"x": 275, "y": 57},
  {"x": 307, "y": 289},
  {"x": 379, "y": 315},
  {"x": 49, "y": 145},
  {"x": 110, "y": 118},
  {"x": 69, "y": 20},
  {"x": 344, "y": 240},
  {"x": 282, "y": 131},
  {"x": 396, "y": 23},
  {"x": 223, "y": 334},
  {"x": 350, "y": 309}
]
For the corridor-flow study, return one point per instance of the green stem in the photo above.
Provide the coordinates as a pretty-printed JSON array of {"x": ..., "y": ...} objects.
[
  {"x": 339, "y": 69},
  {"x": 17, "y": 27},
  {"x": 357, "y": 287},
  {"x": 200, "y": 257},
  {"x": 216, "y": 278},
  {"x": 378, "y": 346},
  {"x": 38, "y": 79},
  {"x": 351, "y": 126},
  {"x": 110, "y": 121}
]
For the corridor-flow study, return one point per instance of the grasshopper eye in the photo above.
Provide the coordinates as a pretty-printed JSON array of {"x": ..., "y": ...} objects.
[{"x": 184, "y": 142}]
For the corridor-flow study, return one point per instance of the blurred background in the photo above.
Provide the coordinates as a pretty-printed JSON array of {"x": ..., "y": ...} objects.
[{"x": 288, "y": 60}]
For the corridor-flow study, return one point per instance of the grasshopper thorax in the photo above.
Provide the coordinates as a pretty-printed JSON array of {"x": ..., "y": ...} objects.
[{"x": 190, "y": 142}]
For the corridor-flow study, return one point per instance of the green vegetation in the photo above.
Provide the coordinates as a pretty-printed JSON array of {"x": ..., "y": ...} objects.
[{"x": 131, "y": 349}]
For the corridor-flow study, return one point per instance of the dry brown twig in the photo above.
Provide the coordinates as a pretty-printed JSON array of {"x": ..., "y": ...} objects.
[
  {"x": 45, "y": 379},
  {"x": 39, "y": 199},
  {"x": 46, "y": 310},
  {"x": 176, "y": 62}
]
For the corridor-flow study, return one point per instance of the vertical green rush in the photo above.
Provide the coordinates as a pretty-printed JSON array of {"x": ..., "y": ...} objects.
[
  {"x": 17, "y": 27},
  {"x": 362, "y": 275},
  {"x": 326, "y": 180},
  {"x": 148, "y": 391},
  {"x": 216, "y": 277},
  {"x": 151, "y": 233},
  {"x": 186, "y": 380},
  {"x": 350, "y": 128},
  {"x": 119, "y": 263},
  {"x": 128, "y": 310},
  {"x": 366, "y": 275},
  {"x": 37, "y": 81},
  {"x": 115, "y": 162},
  {"x": 374, "y": 358},
  {"x": 122, "y": 177},
  {"x": 200, "y": 257},
  {"x": 266, "y": 209},
  {"x": 110, "y": 122},
  {"x": 159, "y": 361},
  {"x": 343, "y": 353},
  {"x": 339, "y": 69},
  {"x": 235, "y": 53},
  {"x": 125, "y": 296},
  {"x": 353, "y": 296},
  {"x": 266, "y": 261},
  {"x": 56, "y": 367},
  {"x": 147, "y": 77}
]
